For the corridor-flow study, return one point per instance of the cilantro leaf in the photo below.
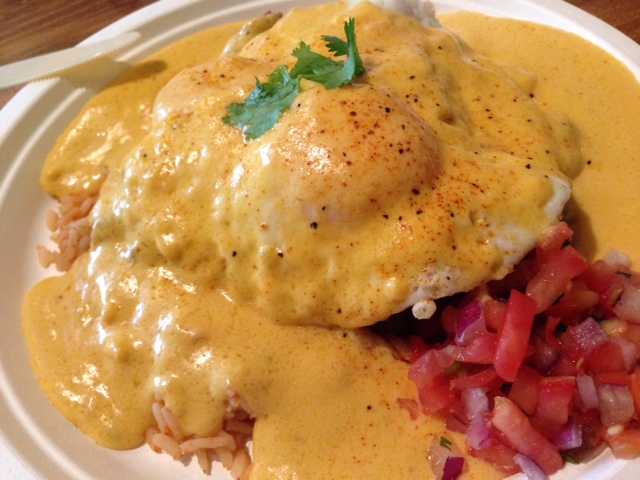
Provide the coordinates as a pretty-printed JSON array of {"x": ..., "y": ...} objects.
[
  {"x": 336, "y": 45},
  {"x": 262, "y": 109},
  {"x": 315, "y": 67},
  {"x": 330, "y": 73},
  {"x": 348, "y": 48}
]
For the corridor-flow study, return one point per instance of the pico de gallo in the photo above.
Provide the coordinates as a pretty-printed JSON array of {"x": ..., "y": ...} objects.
[{"x": 538, "y": 369}]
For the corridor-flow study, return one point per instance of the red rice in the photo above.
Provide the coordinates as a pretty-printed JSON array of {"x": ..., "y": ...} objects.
[{"x": 71, "y": 229}]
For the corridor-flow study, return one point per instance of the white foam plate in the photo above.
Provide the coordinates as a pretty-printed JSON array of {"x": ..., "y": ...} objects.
[{"x": 36, "y": 442}]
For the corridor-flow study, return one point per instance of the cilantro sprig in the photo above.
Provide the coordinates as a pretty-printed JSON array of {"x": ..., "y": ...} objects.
[{"x": 263, "y": 107}]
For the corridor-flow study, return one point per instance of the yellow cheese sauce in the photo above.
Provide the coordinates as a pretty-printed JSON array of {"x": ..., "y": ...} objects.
[
  {"x": 602, "y": 99},
  {"x": 164, "y": 304}
]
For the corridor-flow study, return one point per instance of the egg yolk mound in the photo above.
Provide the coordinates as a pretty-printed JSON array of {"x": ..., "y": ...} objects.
[{"x": 431, "y": 174}]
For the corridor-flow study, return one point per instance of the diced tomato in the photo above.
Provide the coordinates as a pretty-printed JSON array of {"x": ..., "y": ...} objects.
[
  {"x": 554, "y": 404},
  {"x": 499, "y": 454},
  {"x": 625, "y": 445},
  {"x": 483, "y": 378},
  {"x": 513, "y": 336},
  {"x": 481, "y": 350},
  {"x": 525, "y": 388},
  {"x": 549, "y": 332},
  {"x": 515, "y": 426},
  {"x": 552, "y": 279},
  {"x": 582, "y": 339},
  {"x": 607, "y": 357},
  {"x": 456, "y": 421},
  {"x": 556, "y": 236},
  {"x": 564, "y": 366},
  {"x": 516, "y": 280},
  {"x": 430, "y": 365},
  {"x": 599, "y": 277},
  {"x": 418, "y": 347},
  {"x": 436, "y": 396},
  {"x": 537, "y": 373},
  {"x": 571, "y": 306},
  {"x": 609, "y": 298},
  {"x": 631, "y": 333},
  {"x": 448, "y": 319},
  {"x": 613, "y": 378},
  {"x": 634, "y": 385},
  {"x": 493, "y": 313}
]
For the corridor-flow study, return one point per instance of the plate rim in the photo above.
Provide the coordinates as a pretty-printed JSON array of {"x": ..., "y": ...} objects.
[{"x": 559, "y": 14}]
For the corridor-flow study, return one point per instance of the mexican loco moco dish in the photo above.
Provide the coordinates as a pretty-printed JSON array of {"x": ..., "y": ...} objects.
[{"x": 228, "y": 281}]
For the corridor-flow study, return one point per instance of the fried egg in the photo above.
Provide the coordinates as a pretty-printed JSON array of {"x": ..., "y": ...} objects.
[{"x": 431, "y": 174}]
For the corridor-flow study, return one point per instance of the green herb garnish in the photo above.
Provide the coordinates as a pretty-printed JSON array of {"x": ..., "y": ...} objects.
[
  {"x": 569, "y": 459},
  {"x": 445, "y": 443},
  {"x": 262, "y": 109}
]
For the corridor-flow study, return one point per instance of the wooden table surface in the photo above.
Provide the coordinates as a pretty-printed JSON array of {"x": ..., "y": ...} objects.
[{"x": 34, "y": 27}]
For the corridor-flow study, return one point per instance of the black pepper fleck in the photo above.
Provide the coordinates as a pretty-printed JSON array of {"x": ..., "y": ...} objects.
[{"x": 314, "y": 225}]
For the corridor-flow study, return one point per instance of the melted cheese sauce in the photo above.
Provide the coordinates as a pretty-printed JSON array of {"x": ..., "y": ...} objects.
[
  {"x": 602, "y": 99},
  {"x": 431, "y": 176},
  {"x": 142, "y": 312}
]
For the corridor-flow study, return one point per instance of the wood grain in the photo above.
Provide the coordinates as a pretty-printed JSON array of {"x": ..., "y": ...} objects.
[
  {"x": 34, "y": 27},
  {"x": 622, "y": 14}
]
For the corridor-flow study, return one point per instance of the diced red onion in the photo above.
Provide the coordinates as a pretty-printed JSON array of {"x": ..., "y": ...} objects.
[
  {"x": 469, "y": 323},
  {"x": 452, "y": 468},
  {"x": 479, "y": 432},
  {"x": 588, "y": 335},
  {"x": 614, "y": 258},
  {"x": 475, "y": 402},
  {"x": 628, "y": 306},
  {"x": 437, "y": 459},
  {"x": 616, "y": 404},
  {"x": 587, "y": 390},
  {"x": 629, "y": 352},
  {"x": 570, "y": 436},
  {"x": 529, "y": 467},
  {"x": 544, "y": 356}
]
